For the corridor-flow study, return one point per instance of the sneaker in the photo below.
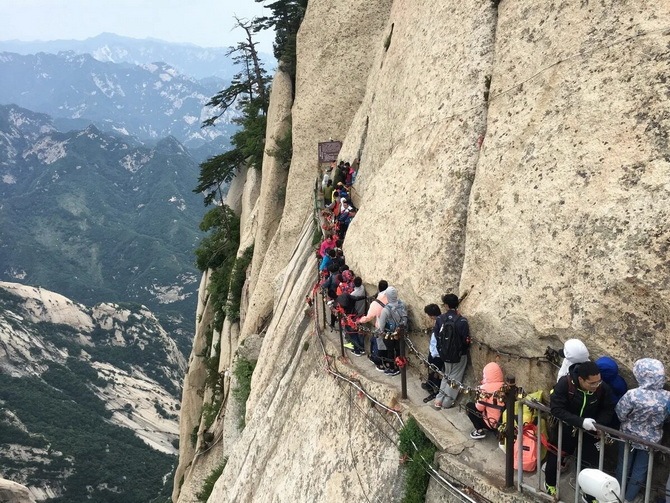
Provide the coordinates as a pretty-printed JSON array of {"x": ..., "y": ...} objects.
[
  {"x": 430, "y": 398},
  {"x": 477, "y": 434},
  {"x": 380, "y": 368},
  {"x": 426, "y": 386},
  {"x": 349, "y": 345},
  {"x": 391, "y": 372},
  {"x": 550, "y": 490},
  {"x": 357, "y": 352}
]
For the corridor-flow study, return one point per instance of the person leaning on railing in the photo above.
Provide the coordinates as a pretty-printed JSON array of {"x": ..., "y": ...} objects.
[
  {"x": 642, "y": 412},
  {"x": 579, "y": 399}
]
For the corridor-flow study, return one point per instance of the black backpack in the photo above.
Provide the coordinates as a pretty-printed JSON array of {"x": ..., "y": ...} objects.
[{"x": 449, "y": 344}]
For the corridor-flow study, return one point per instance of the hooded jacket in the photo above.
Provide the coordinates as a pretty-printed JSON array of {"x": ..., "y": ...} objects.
[
  {"x": 574, "y": 351},
  {"x": 642, "y": 410},
  {"x": 609, "y": 371},
  {"x": 393, "y": 303},
  {"x": 572, "y": 404},
  {"x": 492, "y": 381}
]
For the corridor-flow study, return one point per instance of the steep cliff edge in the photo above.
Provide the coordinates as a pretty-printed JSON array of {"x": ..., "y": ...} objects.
[{"x": 517, "y": 153}]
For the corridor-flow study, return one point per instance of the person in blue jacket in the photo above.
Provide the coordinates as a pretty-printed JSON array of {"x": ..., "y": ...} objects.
[{"x": 609, "y": 372}]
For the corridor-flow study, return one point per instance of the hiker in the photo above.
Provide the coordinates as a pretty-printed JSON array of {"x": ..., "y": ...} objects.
[
  {"x": 328, "y": 194},
  {"x": 455, "y": 356},
  {"x": 355, "y": 342},
  {"x": 327, "y": 244},
  {"x": 579, "y": 399},
  {"x": 348, "y": 173},
  {"x": 347, "y": 283},
  {"x": 432, "y": 384},
  {"x": 642, "y": 412},
  {"x": 377, "y": 355},
  {"x": 328, "y": 259},
  {"x": 326, "y": 175},
  {"x": 392, "y": 320},
  {"x": 485, "y": 413},
  {"x": 338, "y": 175},
  {"x": 360, "y": 296},
  {"x": 609, "y": 371},
  {"x": 574, "y": 351},
  {"x": 345, "y": 220}
]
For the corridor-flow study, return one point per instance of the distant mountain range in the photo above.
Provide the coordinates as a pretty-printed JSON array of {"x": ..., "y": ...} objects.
[
  {"x": 198, "y": 62},
  {"x": 90, "y": 398},
  {"x": 150, "y": 101},
  {"x": 99, "y": 217}
]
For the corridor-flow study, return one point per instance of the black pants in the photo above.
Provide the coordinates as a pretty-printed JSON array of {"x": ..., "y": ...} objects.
[
  {"x": 434, "y": 379},
  {"x": 476, "y": 417},
  {"x": 393, "y": 350},
  {"x": 589, "y": 453}
]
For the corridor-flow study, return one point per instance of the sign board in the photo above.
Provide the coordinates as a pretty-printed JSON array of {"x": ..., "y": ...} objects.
[{"x": 329, "y": 150}]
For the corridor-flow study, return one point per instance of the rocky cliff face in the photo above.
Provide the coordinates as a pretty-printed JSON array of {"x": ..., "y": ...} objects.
[
  {"x": 513, "y": 152},
  {"x": 77, "y": 385}
]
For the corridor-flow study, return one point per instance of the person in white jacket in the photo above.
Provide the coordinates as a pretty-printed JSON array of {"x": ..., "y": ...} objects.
[{"x": 574, "y": 351}]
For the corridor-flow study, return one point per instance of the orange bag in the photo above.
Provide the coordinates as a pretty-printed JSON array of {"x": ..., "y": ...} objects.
[{"x": 529, "y": 454}]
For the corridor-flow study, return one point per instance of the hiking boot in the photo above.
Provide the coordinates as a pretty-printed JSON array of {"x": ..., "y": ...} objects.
[
  {"x": 477, "y": 434},
  {"x": 550, "y": 490}
]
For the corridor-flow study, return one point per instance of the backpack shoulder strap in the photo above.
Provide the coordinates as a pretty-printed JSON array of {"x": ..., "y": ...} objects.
[{"x": 379, "y": 302}]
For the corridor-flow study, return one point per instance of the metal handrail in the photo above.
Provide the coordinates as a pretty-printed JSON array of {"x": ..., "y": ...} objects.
[{"x": 607, "y": 433}]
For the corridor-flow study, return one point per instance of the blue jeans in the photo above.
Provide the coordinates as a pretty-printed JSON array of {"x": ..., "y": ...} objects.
[
  {"x": 638, "y": 461},
  {"x": 357, "y": 340}
]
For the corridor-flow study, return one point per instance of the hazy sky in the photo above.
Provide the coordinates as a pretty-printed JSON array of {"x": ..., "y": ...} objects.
[{"x": 206, "y": 23}]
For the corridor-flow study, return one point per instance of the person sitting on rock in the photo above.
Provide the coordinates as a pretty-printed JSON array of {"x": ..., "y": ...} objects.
[
  {"x": 432, "y": 384},
  {"x": 485, "y": 413}
]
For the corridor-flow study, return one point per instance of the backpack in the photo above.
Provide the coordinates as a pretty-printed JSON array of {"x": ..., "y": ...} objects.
[
  {"x": 450, "y": 346},
  {"x": 396, "y": 318}
]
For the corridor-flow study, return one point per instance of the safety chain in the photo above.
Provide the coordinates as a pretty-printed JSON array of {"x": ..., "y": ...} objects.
[{"x": 476, "y": 393}]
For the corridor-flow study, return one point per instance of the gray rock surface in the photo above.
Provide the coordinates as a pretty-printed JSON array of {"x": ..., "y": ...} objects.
[
  {"x": 567, "y": 230},
  {"x": 11, "y": 492}
]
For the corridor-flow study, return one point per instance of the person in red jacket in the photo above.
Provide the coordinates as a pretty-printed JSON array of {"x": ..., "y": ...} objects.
[
  {"x": 485, "y": 413},
  {"x": 327, "y": 244}
]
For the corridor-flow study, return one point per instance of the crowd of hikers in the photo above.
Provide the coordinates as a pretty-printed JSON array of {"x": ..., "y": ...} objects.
[{"x": 586, "y": 392}]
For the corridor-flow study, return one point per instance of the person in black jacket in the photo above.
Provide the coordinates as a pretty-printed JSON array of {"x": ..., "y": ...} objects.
[{"x": 579, "y": 399}]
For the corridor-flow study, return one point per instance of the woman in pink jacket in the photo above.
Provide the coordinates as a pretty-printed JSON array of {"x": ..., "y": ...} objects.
[{"x": 485, "y": 414}]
